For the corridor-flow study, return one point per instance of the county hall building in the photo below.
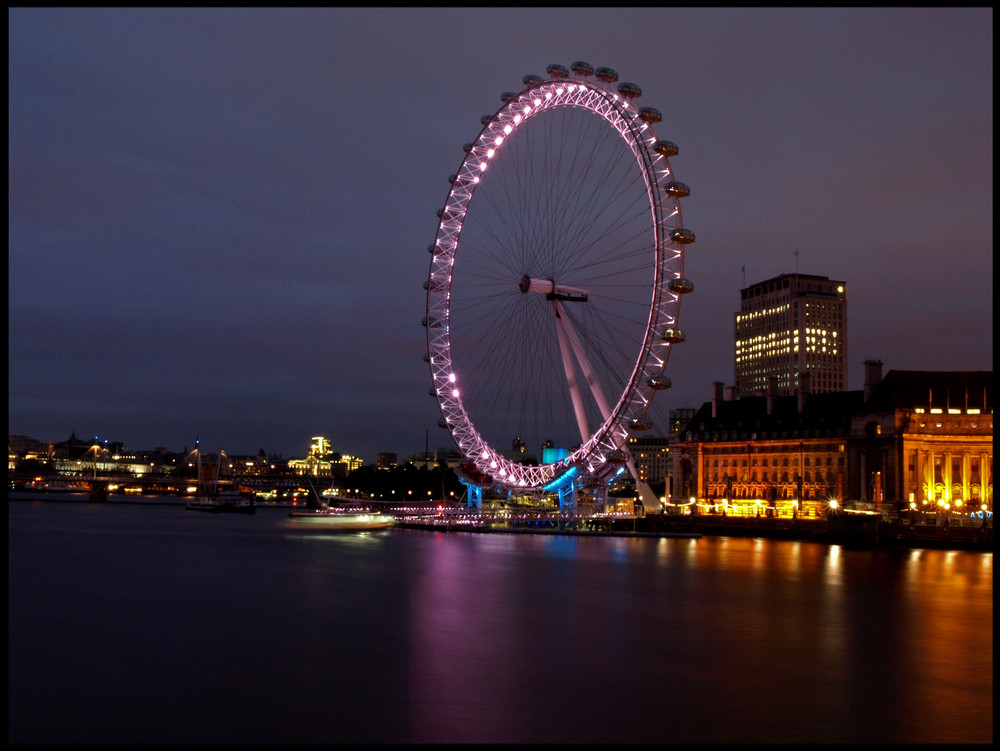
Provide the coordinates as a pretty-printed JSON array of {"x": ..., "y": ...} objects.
[{"x": 913, "y": 439}]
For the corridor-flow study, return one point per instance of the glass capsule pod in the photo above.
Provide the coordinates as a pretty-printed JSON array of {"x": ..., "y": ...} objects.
[
  {"x": 629, "y": 90},
  {"x": 581, "y": 68},
  {"x": 608, "y": 75},
  {"x": 557, "y": 71},
  {"x": 665, "y": 148},
  {"x": 650, "y": 115},
  {"x": 683, "y": 286},
  {"x": 682, "y": 236},
  {"x": 677, "y": 190}
]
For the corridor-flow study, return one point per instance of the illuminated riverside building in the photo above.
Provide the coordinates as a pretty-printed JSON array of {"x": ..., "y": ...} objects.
[
  {"x": 790, "y": 325},
  {"x": 757, "y": 455},
  {"x": 651, "y": 456},
  {"x": 925, "y": 441},
  {"x": 915, "y": 439},
  {"x": 322, "y": 461}
]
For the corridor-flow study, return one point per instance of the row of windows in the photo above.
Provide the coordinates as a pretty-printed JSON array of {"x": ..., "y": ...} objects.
[
  {"x": 793, "y": 461},
  {"x": 827, "y": 476}
]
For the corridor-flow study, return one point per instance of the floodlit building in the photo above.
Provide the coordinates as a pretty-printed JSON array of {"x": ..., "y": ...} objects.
[
  {"x": 925, "y": 441},
  {"x": 914, "y": 439},
  {"x": 759, "y": 455},
  {"x": 787, "y": 327},
  {"x": 318, "y": 462}
]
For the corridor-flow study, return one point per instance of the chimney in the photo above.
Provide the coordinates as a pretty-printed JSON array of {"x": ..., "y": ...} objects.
[
  {"x": 873, "y": 376},
  {"x": 772, "y": 392},
  {"x": 717, "y": 387},
  {"x": 730, "y": 392},
  {"x": 804, "y": 379}
]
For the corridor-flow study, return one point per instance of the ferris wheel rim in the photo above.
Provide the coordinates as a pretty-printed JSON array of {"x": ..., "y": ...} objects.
[{"x": 606, "y": 444}]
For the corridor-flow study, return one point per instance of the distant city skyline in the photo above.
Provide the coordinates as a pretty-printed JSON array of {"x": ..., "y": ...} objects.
[{"x": 218, "y": 218}]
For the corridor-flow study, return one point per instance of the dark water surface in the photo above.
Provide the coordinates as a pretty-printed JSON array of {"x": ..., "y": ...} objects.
[{"x": 155, "y": 624}]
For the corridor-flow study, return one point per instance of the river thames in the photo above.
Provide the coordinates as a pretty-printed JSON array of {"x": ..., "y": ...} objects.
[{"x": 148, "y": 623}]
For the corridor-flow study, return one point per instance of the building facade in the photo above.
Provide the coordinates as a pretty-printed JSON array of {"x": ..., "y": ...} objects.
[
  {"x": 773, "y": 454},
  {"x": 791, "y": 326},
  {"x": 925, "y": 441},
  {"x": 915, "y": 439},
  {"x": 651, "y": 457}
]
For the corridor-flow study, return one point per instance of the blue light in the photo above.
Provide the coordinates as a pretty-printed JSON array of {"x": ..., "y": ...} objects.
[
  {"x": 553, "y": 455},
  {"x": 565, "y": 477}
]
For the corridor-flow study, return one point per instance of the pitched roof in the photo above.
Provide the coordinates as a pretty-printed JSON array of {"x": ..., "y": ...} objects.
[
  {"x": 828, "y": 411},
  {"x": 902, "y": 389}
]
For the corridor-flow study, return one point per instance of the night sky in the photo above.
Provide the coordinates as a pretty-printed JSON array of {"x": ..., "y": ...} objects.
[{"x": 219, "y": 219}]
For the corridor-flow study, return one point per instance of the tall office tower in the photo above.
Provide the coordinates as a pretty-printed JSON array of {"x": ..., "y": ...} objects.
[{"x": 789, "y": 326}]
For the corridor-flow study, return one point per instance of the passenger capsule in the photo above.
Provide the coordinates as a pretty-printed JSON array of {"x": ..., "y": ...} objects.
[
  {"x": 665, "y": 148},
  {"x": 618, "y": 457},
  {"x": 440, "y": 213},
  {"x": 532, "y": 80},
  {"x": 682, "y": 286},
  {"x": 582, "y": 69},
  {"x": 432, "y": 392},
  {"x": 467, "y": 147},
  {"x": 608, "y": 75},
  {"x": 682, "y": 236},
  {"x": 557, "y": 71},
  {"x": 507, "y": 96},
  {"x": 659, "y": 383},
  {"x": 430, "y": 248},
  {"x": 673, "y": 336},
  {"x": 650, "y": 115},
  {"x": 442, "y": 424},
  {"x": 430, "y": 323},
  {"x": 677, "y": 190},
  {"x": 629, "y": 90},
  {"x": 427, "y": 358},
  {"x": 640, "y": 423}
]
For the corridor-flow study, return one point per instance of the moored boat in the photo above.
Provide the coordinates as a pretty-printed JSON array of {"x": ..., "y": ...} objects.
[
  {"x": 219, "y": 498},
  {"x": 226, "y": 501}
]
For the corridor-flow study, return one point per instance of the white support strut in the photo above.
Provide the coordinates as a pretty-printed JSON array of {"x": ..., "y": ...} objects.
[
  {"x": 571, "y": 380},
  {"x": 565, "y": 331}
]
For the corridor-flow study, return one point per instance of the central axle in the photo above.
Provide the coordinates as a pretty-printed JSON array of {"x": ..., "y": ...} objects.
[{"x": 551, "y": 290}]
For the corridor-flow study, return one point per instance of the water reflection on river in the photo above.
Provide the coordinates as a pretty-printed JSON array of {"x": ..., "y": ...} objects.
[{"x": 147, "y": 624}]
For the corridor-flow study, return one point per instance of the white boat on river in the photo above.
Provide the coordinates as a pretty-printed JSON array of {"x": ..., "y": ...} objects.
[{"x": 346, "y": 521}]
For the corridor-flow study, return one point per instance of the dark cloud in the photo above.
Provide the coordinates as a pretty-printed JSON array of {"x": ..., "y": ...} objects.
[{"x": 218, "y": 219}]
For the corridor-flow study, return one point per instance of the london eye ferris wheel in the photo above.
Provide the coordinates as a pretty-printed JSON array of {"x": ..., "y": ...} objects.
[{"x": 555, "y": 283}]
